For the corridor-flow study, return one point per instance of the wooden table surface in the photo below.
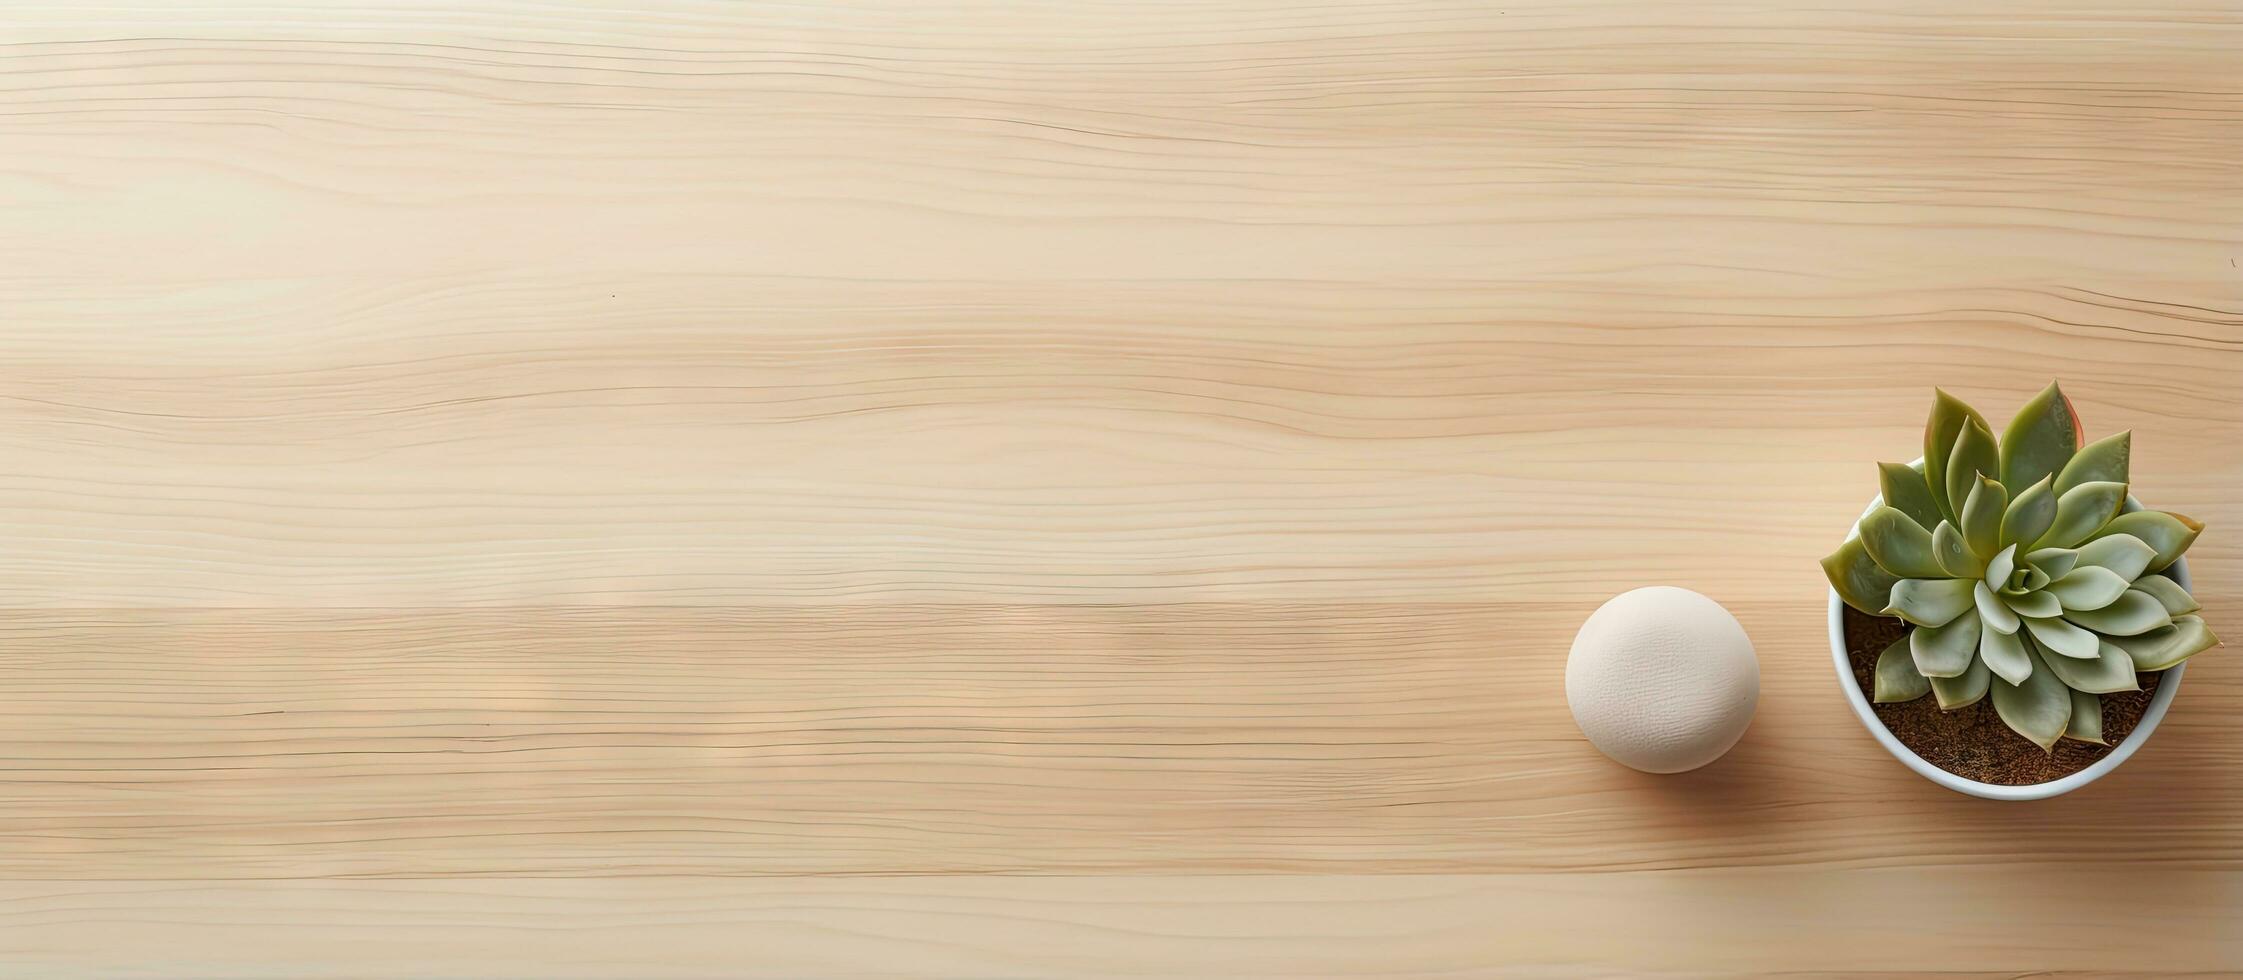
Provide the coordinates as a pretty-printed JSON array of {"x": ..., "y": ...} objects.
[{"x": 1088, "y": 488}]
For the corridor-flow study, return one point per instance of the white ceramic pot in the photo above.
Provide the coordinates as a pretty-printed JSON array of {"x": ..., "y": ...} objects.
[{"x": 2166, "y": 685}]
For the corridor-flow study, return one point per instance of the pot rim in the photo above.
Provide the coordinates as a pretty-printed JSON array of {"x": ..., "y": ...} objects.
[{"x": 2168, "y": 683}]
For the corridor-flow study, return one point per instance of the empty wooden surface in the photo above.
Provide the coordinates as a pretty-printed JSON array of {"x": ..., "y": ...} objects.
[{"x": 1002, "y": 489}]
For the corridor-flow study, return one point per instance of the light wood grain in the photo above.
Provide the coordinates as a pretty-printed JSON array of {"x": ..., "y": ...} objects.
[
  {"x": 1956, "y": 922},
  {"x": 538, "y": 488},
  {"x": 963, "y": 739}
]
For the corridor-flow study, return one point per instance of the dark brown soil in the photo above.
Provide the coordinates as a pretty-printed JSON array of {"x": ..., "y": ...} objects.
[{"x": 1972, "y": 742}]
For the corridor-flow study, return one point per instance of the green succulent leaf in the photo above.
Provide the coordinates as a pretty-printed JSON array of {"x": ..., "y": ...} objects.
[
  {"x": 2133, "y": 613},
  {"x": 1971, "y": 463},
  {"x": 2159, "y": 649},
  {"x": 2053, "y": 562},
  {"x": 2039, "y": 709},
  {"x": 1954, "y": 555},
  {"x": 1992, "y": 611},
  {"x": 2124, "y": 554},
  {"x": 1904, "y": 488},
  {"x": 2169, "y": 533},
  {"x": 2029, "y": 514},
  {"x": 2088, "y": 587},
  {"x": 2081, "y": 512},
  {"x": 1945, "y": 651},
  {"x": 1949, "y": 416},
  {"x": 1897, "y": 678},
  {"x": 2035, "y": 605},
  {"x": 2060, "y": 637},
  {"x": 1999, "y": 569},
  {"x": 2110, "y": 672},
  {"x": 1857, "y": 579},
  {"x": 2102, "y": 461},
  {"x": 2041, "y": 438},
  {"x": 1929, "y": 601},
  {"x": 2168, "y": 593},
  {"x": 2004, "y": 654},
  {"x": 1964, "y": 691},
  {"x": 1982, "y": 517},
  {"x": 1899, "y": 545},
  {"x": 2087, "y": 718}
]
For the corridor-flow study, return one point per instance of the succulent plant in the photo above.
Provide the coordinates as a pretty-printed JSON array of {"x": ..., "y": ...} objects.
[{"x": 2027, "y": 571}]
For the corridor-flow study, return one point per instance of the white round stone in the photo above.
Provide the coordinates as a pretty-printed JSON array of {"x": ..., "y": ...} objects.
[{"x": 1662, "y": 679}]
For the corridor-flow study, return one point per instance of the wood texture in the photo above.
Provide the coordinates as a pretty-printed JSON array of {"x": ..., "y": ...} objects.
[{"x": 1001, "y": 489}]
